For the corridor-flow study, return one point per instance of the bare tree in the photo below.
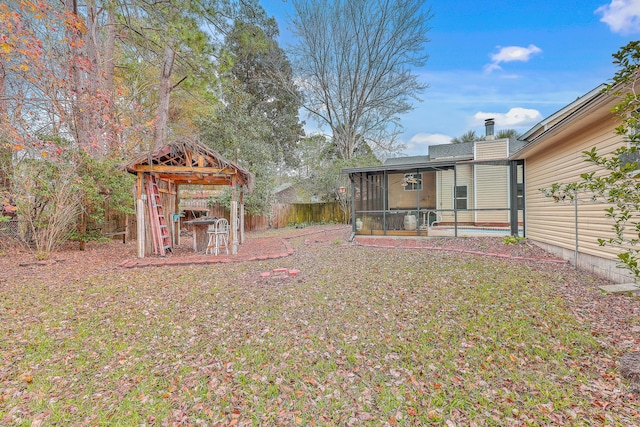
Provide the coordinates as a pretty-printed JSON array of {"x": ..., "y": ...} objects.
[
  {"x": 5, "y": 146},
  {"x": 160, "y": 134},
  {"x": 356, "y": 59}
]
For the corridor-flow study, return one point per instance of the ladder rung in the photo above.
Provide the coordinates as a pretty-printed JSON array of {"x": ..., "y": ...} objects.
[{"x": 161, "y": 228}]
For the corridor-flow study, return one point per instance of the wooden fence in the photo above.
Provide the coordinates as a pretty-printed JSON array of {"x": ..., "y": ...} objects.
[{"x": 282, "y": 215}]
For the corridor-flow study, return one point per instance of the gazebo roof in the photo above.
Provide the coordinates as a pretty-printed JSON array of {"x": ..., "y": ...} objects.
[{"x": 186, "y": 161}]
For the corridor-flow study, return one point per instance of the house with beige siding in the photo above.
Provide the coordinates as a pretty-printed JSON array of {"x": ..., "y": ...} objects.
[
  {"x": 471, "y": 184},
  {"x": 554, "y": 154},
  {"x": 482, "y": 188},
  {"x": 498, "y": 182}
]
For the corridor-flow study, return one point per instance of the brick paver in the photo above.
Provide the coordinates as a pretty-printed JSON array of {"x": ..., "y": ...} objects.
[
  {"x": 253, "y": 249},
  {"x": 262, "y": 248},
  {"x": 265, "y": 248}
]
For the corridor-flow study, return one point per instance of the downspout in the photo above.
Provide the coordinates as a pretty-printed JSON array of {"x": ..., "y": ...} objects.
[
  {"x": 575, "y": 213},
  {"x": 513, "y": 197},
  {"x": 455, "y": 204},
  {"x": 418, "y": 194},
  {"x": 524, "y": 199}
]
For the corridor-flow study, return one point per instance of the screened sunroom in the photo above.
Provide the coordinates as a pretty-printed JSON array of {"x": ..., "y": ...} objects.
[{"x": 415, "y": 196}]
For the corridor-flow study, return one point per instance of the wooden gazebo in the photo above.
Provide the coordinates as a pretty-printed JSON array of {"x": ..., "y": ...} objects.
[{"x": 183, "y": 162}]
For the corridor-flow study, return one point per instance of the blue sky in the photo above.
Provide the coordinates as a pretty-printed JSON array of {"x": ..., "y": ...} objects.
[{"x": 517, "y": 62}]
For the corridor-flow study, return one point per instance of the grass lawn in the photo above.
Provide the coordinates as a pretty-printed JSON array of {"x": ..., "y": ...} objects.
[{"x": 362, "y": 337}]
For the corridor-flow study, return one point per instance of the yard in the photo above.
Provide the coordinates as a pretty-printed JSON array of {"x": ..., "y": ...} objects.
[{"x": 362, "y": 336}]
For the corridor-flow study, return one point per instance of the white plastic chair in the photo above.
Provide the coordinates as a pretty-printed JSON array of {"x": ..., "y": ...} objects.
[
  {"x": 218, "y": 237},
  {"x": 222, "y": 235},
  {"x": 212, "y": 242}
]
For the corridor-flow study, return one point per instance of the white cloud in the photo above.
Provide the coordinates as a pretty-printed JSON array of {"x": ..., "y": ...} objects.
[
  {"x": 515, "y": 117},
  {"x": 511, "y": 54},
  {"x": 430, "y": 139},
  {"x": 622, "y": 16},
  {"x": 419, "y": 142},
  {"x": 515, "y": 53},
  {"x": 491, "y": 67}
]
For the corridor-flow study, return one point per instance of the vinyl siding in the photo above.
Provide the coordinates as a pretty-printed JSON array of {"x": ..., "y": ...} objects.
[
  {"x": 492, "y": 191},
  {"x": 444, "y": 190},
  {"x": 562, "y": 162},
  {"x": 491, "y": 150},
  {"x": 491, "y": 182}
]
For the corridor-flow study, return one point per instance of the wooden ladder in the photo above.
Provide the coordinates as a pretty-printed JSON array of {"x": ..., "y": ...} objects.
[{"x": 159, "y": 227}]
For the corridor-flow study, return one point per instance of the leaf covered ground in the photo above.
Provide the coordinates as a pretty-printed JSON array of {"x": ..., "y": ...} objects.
[{"x": 362, "y": 336}]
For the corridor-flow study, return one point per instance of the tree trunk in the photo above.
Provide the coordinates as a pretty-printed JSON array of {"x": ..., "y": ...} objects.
[
  {"x": 160, "y": 135},
  {"x": 81, "y": 110},
  {"x": 100, "y": 77},
  {"x": 109, "y": 71},
  {"x": 82, "y": 229},
  {"x": 6, "y": 152}
]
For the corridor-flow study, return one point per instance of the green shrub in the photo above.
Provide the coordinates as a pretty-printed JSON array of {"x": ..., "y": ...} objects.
[{"x": 513, "y": 240}]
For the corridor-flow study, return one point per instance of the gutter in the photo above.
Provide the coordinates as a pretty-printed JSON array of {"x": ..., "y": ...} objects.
[
  {"x": 594, "y": 99},
  {"x": 576, "y": 103}
]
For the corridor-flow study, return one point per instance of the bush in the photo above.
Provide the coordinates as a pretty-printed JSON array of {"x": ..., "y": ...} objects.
[
  {"x": 513, "y": 240},
  {"x": 55, "y": 195}
]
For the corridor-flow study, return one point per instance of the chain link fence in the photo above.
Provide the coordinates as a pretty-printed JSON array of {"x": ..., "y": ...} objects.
[{"x": 10, "y": 228}]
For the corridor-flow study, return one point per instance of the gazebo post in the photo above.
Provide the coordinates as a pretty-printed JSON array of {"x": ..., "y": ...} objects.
[
  {"x": 234, "y": 217},
  {"x": 140, "y": 215},
  {"x": 176, "y": 224},
  {"x": 241, "y": 228}
]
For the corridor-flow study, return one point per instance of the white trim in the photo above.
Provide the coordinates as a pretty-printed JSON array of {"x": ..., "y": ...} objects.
[{"x": 566, "y": 109}]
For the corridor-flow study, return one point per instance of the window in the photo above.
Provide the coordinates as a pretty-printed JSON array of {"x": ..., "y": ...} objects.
[
  {"x": 520, "y": 195},
  {"x": 460, "y": 197},
  {"x": 412, "y": 182}
]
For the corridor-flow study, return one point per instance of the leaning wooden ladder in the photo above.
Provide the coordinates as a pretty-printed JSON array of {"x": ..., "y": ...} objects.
[{"x": 159, "y": 227}]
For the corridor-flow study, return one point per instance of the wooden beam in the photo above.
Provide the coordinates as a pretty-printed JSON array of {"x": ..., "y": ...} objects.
[
  {"x": 140, "y": 185},
  {"x": 212, "y": 160},
  {"x": 233, "y": 237},
  {"x": 183, "y": 169},
  {"x": 205, "y": 181},
  {"x": 193, "y": 177},
  {"x": 140, "y": 226},
  {"x": 176, "y": 225}
]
